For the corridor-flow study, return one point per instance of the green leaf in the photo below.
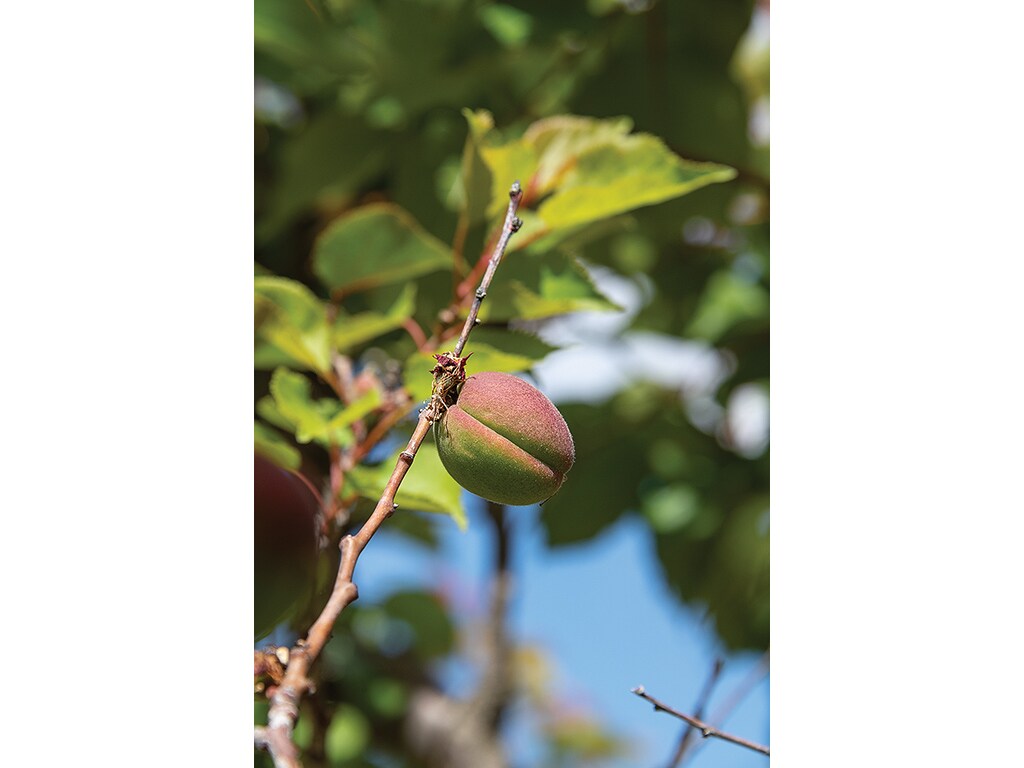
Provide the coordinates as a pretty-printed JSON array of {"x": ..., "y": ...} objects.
[
  {"x": 558, "y": 141},
  {"x": 531, "y": 287},
  {"x": 635, "y": 171},
  {"x": 727, "y": 300},
  {"x": 325, "y": 420},
  {"x": 427, "y": 487},
  {"x": 419, "y": 381},
  {"x": 514, "y": 342},
  {"x": 347, "y": 736},
  {"x": 376, "y": 245},
  {"x": 509, "y": 26},
  {"x": 426, "y": 615},
  {"x": 271, "y": 444},
  {"x": 291, "y": 326},
  {"x": 323, "y": 165},
  {"x": 509, "y": 162},
  {"x": 352, "y": 330},
  {"x": 472, "y": 191}
]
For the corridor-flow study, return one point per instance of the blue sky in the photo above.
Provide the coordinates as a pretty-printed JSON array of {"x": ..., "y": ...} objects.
[{"x": 606, "y": 623}]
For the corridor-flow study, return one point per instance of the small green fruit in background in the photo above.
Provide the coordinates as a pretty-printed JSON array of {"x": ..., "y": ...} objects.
[
  {"x": 285, "y": 538},
  {"x": 504, "y": 440}
]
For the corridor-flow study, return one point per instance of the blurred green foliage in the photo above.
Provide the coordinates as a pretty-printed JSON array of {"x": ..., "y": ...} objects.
[{"x": 387, "y": 135}]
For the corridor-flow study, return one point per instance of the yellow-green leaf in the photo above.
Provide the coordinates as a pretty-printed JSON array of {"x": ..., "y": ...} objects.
[
  {"x": 427, "y": 487},
  {"x": 635, "y": 171},
  {"x": 291, "y": 326},
  {"x": 272, "y": 445}
]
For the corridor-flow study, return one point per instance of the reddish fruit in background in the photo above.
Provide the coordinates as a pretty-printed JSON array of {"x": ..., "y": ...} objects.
[
  {"x": 285, "y": 533},
  {"x": 504, "y": 440}
]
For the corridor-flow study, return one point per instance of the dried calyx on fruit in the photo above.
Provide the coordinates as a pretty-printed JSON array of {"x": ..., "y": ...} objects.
[{"x": 502, "y": 439}]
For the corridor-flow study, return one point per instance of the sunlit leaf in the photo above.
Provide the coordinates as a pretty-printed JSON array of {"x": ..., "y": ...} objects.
[
  {"x": 558, "y": 142},
  {"x": 608, "y": 179},
  {"x": 472, "y": 191},
  {"x": 271, "y": 444},
  {"x": 427, "y": 487},
  {"x": 291, "y": 325},
  {"x": 324, "y": 420},
  {"x": 376, "y": 245}
]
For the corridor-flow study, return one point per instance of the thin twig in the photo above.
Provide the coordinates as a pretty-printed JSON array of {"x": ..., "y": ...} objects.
[
  {"x": 742, "y": 690},
  {"x": 698, "y": 713},
  {"x": 499, "y": 241},
  {"x": 705, "y": 729},
  {"x": 511, "y": 226},
  {"x": 276, "y": 736}
]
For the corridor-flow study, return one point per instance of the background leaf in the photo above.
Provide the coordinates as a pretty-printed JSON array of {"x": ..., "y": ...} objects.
[
  {"x": 291, "y": 325},
  {"x": 376, "y": 245}
]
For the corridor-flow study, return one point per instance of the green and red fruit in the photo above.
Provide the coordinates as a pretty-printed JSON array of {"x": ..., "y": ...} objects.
[{"x": 504, "y": 440}]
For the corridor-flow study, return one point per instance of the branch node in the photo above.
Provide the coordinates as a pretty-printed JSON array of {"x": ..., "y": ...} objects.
[
  {"x": 516, "y": 224},
  {"x": 516, "y": 189},
  {"x": 481, "y": 293},
  {"x": 406, "y": 456}
]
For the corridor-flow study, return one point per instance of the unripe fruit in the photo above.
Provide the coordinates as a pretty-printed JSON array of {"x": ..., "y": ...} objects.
[
  {"x": 285, "y": 538},
  {"x": 504, "y": 440}
]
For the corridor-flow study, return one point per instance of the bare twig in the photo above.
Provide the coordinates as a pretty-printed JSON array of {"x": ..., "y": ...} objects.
[
  {"x": 698, "y": 713},
  {"x": 705, "y": 729},
  {"x": 276, "y": 736},
  {"x": 499, "y": 241},
  {"x": 742, "y": 690},
  {"x": 511, "y": 226}
]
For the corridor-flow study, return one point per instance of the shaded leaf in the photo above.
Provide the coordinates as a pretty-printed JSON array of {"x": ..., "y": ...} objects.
[
  {"x": 727, "y": 300},
  {"x": 352, "y": 330},
  {"x": 376, "y": 245},
  {"x": 532, "y": 287},
  {"x": 426, "y": 615},
  {"x": 324, "y": 164}
]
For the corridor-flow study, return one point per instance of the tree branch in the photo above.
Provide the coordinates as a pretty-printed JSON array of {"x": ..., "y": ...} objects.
[
  {"x": 276, "y": 737},
  {"x": 698, "y": 713},
  {"x": 705, "y": 729}
]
